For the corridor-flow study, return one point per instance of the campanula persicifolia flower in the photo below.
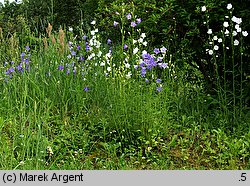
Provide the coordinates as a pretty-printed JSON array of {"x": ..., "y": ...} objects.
[
  {"x": 163, "y": 50},
  {"x": 22, "y": 55},
  {"x": 210, "y": 31},
  {"x": 26, "y": 60},
  {"x": 129, "y": 16},
  {"x": 125, "y": 47},
  {"x": 27, "y": 48},
  {"x": 81, "y": 58},
  {"x": 86, "y": 89},
  {"x": 236, "y": 42},
  {"x": 136, "y": 67},
  {"x": 84, "y": 37},
  {"x": 244, "y": 33},
  {"x": 133, "y": 24},
  {"x": 5, "y": 64},
  {"x": 20, "y": 67},
  {"x": 74, "y": 71},
  {"x": 138, "y": 20},
  {"x": 203, "y": 9},
  {"x": 158, "y": 80},
  {"x": 115, "y": 23},
  {"x": 229, "y": 6},
  {"x": 10, "y": 71},
  {"x": 61, "y": 67},
  {"x": 159, "y": 89},
  {"x": 156, "y": 50},
  {"x": 109, "y": 41},
  {"x": 163, "y": 65},
  {"x": 143, "y": 72},
  {"x": 67, "y": 71}
]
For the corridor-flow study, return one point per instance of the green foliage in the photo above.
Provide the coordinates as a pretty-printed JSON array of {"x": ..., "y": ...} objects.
[
  {"x": 179, "y": 25},
  {"x": 11, "y": 18}
]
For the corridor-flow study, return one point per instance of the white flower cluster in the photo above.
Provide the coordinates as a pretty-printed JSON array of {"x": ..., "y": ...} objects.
[
  {"x": 226, "y": 24},
  {"x": 108, "y": 58},
  {"x": 141, "y": 39}
]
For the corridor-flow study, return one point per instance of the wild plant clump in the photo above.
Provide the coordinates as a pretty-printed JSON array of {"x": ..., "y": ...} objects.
[{"x": 74, "y": 98}]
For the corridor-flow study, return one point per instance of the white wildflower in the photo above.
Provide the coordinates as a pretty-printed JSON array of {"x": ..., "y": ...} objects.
[
  {"x": 135, "y": 50},
  {"x": 225, "y": 24},
  {"x": 239, "y": 30},
  {"x": 210, "y": 31},
  {"x": 215, "y": 38},
  {"x": 70, "y": 29},
  {"x": 237, "y": 26},
  {"x": 99, "y": 54},
  {"x": 229, "y": 6},
  {"x": 244, "y": 33},
  {"x": 203, "y": 9},
  {"x": 140, "y": 40},
  {"x": 236, "y": 20},
  {"x": 127, "y": 65},
  {"x": 163, "y": 50},
  {"x": 93, "y": 22},
  {"x": 236, "y": 42},
  {"x": 50, "y": 151},
  {"x": 234, "y": 33},
  {"x": 216, "y": 47},
  {"x": 109, "y": 69},
  {"x": 108, "y": 55},
  {"x": 128, "y": 76},
  {"x": 220, "y": 40},
  {"x": 226, "y": 32},
  {"x": 210, "y": 52}
]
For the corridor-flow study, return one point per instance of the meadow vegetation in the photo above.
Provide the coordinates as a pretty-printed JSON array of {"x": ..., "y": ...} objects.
[{"x": 114, "y": 98}]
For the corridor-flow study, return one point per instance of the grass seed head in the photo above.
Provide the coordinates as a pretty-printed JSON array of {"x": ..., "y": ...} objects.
[
  {"x": 49, "y": 29},
  {"x": 1, "y": 33},
  {"x": 45, "y": 42},
  {"x": 61, "y": 40}
]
